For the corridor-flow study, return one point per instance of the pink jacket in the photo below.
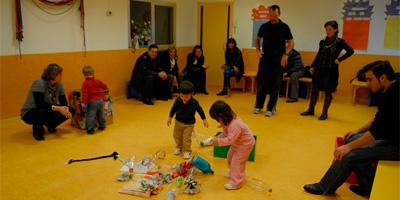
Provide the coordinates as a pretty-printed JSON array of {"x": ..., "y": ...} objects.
[{"x": 236, "y": 134}]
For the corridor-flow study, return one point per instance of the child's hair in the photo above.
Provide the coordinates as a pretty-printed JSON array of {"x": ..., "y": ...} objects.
[
  {"x": 88, "y": 70},
  {"x": 186, "y": 87},
  {"x": 221, "y": 111}
]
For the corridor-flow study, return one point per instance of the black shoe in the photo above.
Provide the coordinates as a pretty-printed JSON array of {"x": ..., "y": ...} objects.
[
  {"x": 148, "y": 102},
  {"x": 323, "y": 116},
  {"x": 51, "y": 129},
  {"x": 38, "y": 132},
  {"x": 360, "y": 190},
  {"x": 205, "y": 93},
  {"x": 307, "y": 113},
  {"x": 38, "y": 136},
  {"x": 102, "y": 128},
  {"x": 224, "y": 92},
  {"x": 313, "y": 189},
  {"x": 292, "y": 100},
  {"x": 90, "y": 131}
]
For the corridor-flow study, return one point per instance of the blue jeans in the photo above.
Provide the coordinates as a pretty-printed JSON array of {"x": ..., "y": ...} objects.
[
  {"x": 358, "y": 160},
  {"x": 228, "y": 73},
  {"x": 95, "y": 109}
]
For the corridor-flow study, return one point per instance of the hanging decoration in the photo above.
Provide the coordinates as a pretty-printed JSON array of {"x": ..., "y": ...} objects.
[
  {"x": 19, "y": 26},
  {"x": 44, "y": 4}
]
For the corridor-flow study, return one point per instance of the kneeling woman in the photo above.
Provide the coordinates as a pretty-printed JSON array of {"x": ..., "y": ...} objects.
[{"x": 46, "y": 104}]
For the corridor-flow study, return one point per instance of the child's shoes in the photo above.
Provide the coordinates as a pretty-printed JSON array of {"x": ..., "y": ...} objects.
[
  {"x": 229, "y": 186},
  {"x": 186, "y": 155},
  {"x": 177, "y": 151}
]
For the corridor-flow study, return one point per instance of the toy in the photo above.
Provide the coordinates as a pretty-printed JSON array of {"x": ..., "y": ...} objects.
[
  {"x": 207, "y": 141},
  {"x": 192, "y": 186},
  {"x": 202, "y": 165},
  {"x": 114, "y": 155},
  {"x": 181, "y": 169},
  {"x": 171, "y": 194}
]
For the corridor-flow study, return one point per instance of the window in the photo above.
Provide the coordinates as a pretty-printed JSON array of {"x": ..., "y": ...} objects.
[{"x": 151, "y": 22}]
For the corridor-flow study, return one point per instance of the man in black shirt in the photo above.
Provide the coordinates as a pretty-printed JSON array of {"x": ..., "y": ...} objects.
[
  {"x": 148, "y": 77},
  {"x": 379, "y": 139},
  {"x": 273, "y": 58}
]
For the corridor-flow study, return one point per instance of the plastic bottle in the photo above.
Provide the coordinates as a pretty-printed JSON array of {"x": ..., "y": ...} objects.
[
  {"x": 258, "y": 185},
  {"x": 171, "y": 194}
]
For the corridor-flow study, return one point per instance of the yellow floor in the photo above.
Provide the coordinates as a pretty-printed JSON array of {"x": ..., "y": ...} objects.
[{"x": 291, "y": 151}]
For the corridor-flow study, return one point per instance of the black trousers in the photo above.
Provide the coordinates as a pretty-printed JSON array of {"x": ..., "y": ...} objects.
[
  {"x": 198, "y": 78},
  {"x": 44, "y": 117},
  {"x": 269, "y": 80}
]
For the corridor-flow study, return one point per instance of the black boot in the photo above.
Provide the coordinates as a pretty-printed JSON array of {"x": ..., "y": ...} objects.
[
  {"x": 38, "y": 132},
  {"x": 313, "y": 101},
  {"x": 224, "y": 92},
  {"x": 327, "y": 103}
]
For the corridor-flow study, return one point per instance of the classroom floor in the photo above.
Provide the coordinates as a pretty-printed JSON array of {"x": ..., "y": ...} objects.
[{"x": 291, "y": 151}]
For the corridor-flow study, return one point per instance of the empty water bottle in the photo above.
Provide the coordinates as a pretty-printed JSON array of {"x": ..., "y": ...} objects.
[{"x": 258, "y": 185}]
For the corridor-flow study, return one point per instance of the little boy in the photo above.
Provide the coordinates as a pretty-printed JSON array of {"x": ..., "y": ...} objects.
[
  {"x": 185, "y": 107},
  {"x": 92, "y": 100}
]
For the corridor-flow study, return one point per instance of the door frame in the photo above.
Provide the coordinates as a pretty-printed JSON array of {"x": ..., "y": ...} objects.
[{"x": 199, "y": 18}]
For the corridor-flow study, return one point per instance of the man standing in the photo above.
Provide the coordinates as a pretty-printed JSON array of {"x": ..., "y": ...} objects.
[
  {"x": 376, "y": 140},
  {"x": 273, "y": 58},
  {"x": 148, "y": 72}
]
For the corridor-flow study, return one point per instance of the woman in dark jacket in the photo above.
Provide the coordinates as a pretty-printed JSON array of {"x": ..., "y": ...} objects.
[
  {"x": 169, "y": 63},
  {"x": 233, "y": 66},
  {"x": 326, "y": 67},
  {"x": 46, "y": 104},
  {"x": 196, "y": 70}
]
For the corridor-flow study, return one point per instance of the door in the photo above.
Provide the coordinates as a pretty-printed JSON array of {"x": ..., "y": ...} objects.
[{"x": 214, "y": 30}]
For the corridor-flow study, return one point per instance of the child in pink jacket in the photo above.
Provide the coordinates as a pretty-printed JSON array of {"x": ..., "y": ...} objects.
[{"x": 235, "y": 133}]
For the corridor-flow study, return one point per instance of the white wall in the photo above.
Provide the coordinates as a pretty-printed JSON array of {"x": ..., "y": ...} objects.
[
  {"x": 45, "y": 33},
  {"x": 306, "y": 19}
]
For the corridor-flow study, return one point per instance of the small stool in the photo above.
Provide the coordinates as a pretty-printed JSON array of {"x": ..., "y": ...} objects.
[{"x": 252, "y": 75}]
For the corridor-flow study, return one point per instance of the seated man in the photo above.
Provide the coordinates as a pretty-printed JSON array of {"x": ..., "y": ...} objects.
[
  {"x": 295, "y": 70},
  {"x": 148, "y": 75},
  {"x": 379, "y": 141}
]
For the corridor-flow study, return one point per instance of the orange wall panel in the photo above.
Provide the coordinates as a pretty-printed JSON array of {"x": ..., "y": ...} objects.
[{"x": 114, "y": 67}]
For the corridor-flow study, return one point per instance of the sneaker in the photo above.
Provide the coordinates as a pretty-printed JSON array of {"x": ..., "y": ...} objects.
[
  {"x": 257, "y": 110},
  {"x": 186, "y": 155},
  {"x": 102, "y": 128},
  {"x": 229, "y": 186},
  {"x": 178, "y": 151},
  {"x": 227, "y": 174},
  {"x": 269, "y": 113}
]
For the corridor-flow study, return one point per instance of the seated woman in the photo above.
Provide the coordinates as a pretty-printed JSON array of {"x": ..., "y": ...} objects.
[
  {"x": 196, "y": 70},
  {"x": 234, "y": 65},
  {"x": 169, "y": 64},
  {"x": 46, "y": 104}
]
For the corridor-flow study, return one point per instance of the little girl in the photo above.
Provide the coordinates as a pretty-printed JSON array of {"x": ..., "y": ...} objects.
[{"x": 235, "y": 133}]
